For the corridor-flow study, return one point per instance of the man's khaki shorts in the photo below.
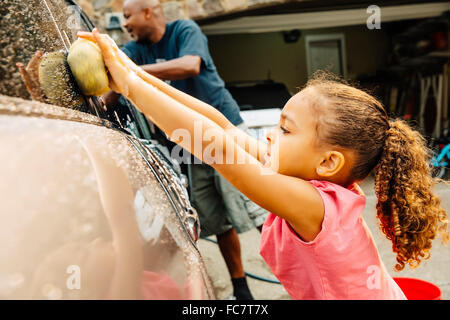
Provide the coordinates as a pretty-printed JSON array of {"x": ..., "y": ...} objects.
[{"x": 220, "y": 206}]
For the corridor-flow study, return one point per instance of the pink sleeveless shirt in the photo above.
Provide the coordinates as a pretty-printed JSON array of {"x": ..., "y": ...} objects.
[{"x": 342, "y": 262}]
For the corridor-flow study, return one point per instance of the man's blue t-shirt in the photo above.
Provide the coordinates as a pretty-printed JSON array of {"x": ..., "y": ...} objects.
[{"x": 184, "y": 37}]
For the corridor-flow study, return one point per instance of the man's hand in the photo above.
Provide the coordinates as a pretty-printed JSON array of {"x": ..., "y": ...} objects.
[
  {"x": 30, "y": 76},
  {"x": 176, "y": 69}
]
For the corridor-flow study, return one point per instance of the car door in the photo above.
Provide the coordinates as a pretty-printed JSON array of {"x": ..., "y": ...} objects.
[{"x": 59, "y": 239}]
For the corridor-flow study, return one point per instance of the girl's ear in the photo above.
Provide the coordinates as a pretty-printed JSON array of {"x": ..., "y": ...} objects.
[{"x": 331, "y": 164}]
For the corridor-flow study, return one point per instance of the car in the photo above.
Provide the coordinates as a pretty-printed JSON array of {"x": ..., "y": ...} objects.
[
  {"x": 260, "y": 104},
  {"x": 89, "y": 208},
  {"x": 257, "y": 95}
]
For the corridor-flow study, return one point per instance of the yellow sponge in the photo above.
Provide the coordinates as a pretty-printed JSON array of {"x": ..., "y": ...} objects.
[
  {"x": 87, "y": 66},
  {"x": 57, "y": 82}
]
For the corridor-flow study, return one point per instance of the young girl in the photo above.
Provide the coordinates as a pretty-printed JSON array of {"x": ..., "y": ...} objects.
[{"x": 330, "y": 137}]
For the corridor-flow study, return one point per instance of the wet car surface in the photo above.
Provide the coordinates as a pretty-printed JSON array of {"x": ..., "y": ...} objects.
[
  {"x": 89, "y": 209},
  {"x": 54, "y": 216}
]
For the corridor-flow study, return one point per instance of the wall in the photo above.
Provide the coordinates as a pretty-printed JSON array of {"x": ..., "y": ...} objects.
[{"x": 242, "y": 57}]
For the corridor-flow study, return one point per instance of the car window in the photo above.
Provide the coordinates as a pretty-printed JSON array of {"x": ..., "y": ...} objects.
[
  {"x": 27, "y": 26},
  {"x": 58, "y": 238},
  {"x": 50, "y": 26}
]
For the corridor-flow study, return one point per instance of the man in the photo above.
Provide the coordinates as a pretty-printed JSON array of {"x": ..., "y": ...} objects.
[{"x": 178, "y": 53}]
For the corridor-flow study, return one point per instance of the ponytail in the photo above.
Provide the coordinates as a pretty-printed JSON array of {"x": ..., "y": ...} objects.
[{"x": 410, "y": 214}]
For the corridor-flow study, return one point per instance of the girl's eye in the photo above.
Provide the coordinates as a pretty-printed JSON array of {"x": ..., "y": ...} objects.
[{"x": 284, "y": 129}]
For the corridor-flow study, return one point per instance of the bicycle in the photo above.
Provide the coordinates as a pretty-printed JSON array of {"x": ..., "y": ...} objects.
[{"x": 441, "y": 161}]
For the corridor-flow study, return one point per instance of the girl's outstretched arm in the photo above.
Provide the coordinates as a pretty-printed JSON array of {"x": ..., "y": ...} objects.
[
  {"x": 255, "y": 147},
  {"x": 291, "y": 198}
]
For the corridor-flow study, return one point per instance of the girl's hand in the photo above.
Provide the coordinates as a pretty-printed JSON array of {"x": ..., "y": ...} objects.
[
  {"x": 30, "y": 76},
  {"x": 124, "y": 58},
  {"x": 121, "y": 72}
]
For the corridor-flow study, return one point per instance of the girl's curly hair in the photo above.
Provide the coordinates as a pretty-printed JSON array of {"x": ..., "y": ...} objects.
[{"x": 410, "y": 214}]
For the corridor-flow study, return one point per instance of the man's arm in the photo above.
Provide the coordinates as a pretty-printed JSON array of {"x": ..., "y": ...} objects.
[{"x": 176, "y": 69}]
